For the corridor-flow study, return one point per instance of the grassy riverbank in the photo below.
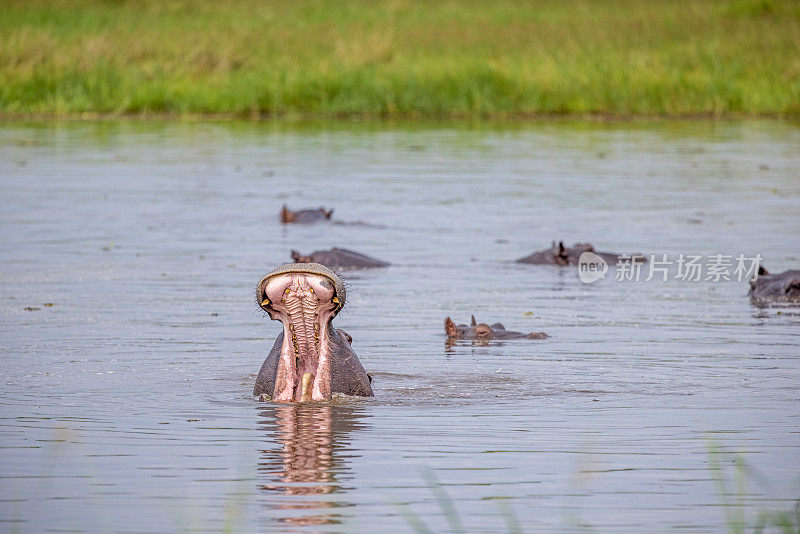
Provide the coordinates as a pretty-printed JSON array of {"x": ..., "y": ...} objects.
[{"x": 400, "y": 58}]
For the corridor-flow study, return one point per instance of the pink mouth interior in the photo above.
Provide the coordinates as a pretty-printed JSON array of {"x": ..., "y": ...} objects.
[{"x": 304, "y": 304}]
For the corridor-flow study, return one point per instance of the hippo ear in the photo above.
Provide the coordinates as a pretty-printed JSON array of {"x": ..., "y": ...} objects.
[
  {"x": 286, "y": 215},
  {"x": 762, "y": 270},
  {"x": 327, "y": 213},
  {"x": 561, "y": 249},
  {"x": 450, "y": 327},
  {"x": 473, "y": 323}
]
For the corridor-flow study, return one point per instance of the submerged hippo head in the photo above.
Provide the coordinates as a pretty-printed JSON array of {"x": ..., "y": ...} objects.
[
  {"x": 305, "y": 215},
  {"x": 783, "y": 286},
  {"x": 559, "y": 254},
  {"x": 339, "y": 258},
  {"x": 484, "y": 332},
  {"x": 310, "y": 359}
]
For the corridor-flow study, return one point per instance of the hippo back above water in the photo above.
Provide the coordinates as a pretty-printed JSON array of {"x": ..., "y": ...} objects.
[
  {"x": 558, "y": 254},
  {"x": 339, "y": 258},
  {"x": 783, "y": 286}
]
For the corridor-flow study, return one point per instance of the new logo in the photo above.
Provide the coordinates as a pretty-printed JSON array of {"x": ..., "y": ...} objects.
[{"x": 591, "y": 267}]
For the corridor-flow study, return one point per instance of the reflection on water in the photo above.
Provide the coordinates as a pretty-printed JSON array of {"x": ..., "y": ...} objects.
[
  {"x": 308, "y": 460},
  {"x": 450, "y": 344}
]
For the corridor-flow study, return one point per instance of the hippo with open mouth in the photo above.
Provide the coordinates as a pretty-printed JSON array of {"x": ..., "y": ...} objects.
[
  {"x": 339, "y": 258},
  {"x": 483, "y": 331},
  {"x": 311, "y": 359},
  {"x": 558, "y": 254},
  {"x": 305, "y": 215},
  {"x": 783, "y": 286}
]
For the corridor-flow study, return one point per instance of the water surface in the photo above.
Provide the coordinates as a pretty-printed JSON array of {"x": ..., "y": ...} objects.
[{"x": 130, "y": 339}]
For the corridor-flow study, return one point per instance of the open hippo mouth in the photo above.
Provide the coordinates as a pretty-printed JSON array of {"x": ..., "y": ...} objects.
[{"x": 305, "y": 298}]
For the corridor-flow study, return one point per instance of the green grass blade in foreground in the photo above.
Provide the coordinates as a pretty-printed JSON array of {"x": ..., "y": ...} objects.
[
  {"x": 448, "y": 508},
  {"x": 735, "y": 511},
  {"x": 443, "y": 499}
]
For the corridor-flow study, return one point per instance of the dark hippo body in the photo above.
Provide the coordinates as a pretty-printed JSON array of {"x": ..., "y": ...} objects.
[
  {"x": 483, "y": 331},
  {"x": 339, "y": 258},
  {"x": 347, "y": 374},
  {"x": 304, "y": 216},
  {"x": 783, "y": 286},
  {"x": 558, "y": 254}
]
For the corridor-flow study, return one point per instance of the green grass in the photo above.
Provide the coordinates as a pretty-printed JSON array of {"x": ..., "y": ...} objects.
[{"x": 400, "y": 58}]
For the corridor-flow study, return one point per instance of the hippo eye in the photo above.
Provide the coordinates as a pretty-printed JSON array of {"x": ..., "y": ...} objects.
[{"x": 483, "y": 330}]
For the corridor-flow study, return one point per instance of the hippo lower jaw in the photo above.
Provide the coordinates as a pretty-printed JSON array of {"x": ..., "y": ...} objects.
[{"x": 305, "y": 303}]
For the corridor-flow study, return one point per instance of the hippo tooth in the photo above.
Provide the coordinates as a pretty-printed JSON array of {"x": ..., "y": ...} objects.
[{"x": 306, "y": 386}]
